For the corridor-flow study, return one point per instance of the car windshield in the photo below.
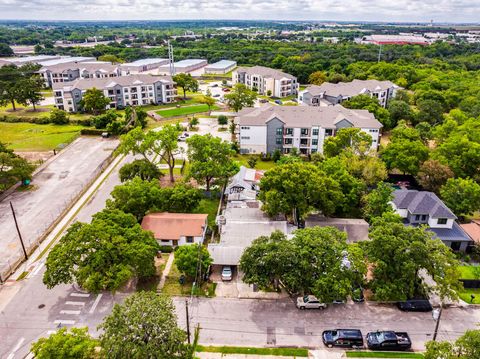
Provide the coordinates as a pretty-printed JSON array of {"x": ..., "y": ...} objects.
[
  {"x": 226, "y": 270},
  {"x": 305, "y": 298}
]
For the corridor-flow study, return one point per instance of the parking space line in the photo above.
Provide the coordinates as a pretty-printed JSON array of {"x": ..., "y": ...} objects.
[
  {"x": 64, "y": 321},
  {"x": 74, "y": 312},
  {"x": 74, "y": 303},
  {"x": 83, "y": 295},
  {"x": 14, "y": 350},
  {"x": 94, "y": 306}
]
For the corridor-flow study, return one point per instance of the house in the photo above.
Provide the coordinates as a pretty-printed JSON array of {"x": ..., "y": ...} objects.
[
  {"x": 268, "y": 128},
  {"x": 328, "y": 94},
  {"x": 220, "y": 67},
  {"x": 244, "y": 185},
  {"x": 473, "y": 231},
  {"x": 266, "y": 81},
  {"x": 176, "y": 229},
  {"x": 425, "y": 208},
  {"x": 132, "y": 90},
  {"x": 355, "y": 228},
  {"x": 65, "y": 72}
]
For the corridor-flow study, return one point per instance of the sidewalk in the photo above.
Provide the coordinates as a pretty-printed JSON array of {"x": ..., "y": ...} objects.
[
  {"x": 166, "y": 271},
  {"x": 203, "y": 355}
]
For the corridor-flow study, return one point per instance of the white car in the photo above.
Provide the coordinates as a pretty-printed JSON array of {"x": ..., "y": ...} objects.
[
  {"x": 309, "y": 302},
  {"x": 227, "y": 273}
]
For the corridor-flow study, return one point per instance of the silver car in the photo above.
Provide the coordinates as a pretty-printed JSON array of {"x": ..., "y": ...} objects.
[
  {"x": 309, "y": 302},
  {"x": 227, "y": 273}
]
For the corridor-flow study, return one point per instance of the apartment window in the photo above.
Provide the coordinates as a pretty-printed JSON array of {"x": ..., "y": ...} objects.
[
  {"x": 125, "y": 90},
  {"x": 126, "y": 97},
  {"x": 189, "y": 239},
  {"x": 315, "y": 132},
  {"x": 442, "y": 221},
  {"x": 118, "y": 92},
  {"x": 58, "y": 93},
  {"x": 165, "y": 240},
  {"x": 110, "y": 92},
  {"x": 289, "y": 131},
  {"x": 417, "y": 217},
  {"x": 278, "y": 141},
  {"x": 314, "y": 142},
  {"x": 304, "y": 142},
  {"x": 279, "y": 131},
  {"x": 304, "y": 131},
  {"x": 288, "y": 141},
  {"x": 328, "y": 132},
  {"x": 424, "y": 217}
]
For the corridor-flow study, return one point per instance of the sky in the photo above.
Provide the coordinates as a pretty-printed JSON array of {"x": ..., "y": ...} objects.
[{"x": 337, "y": 10}]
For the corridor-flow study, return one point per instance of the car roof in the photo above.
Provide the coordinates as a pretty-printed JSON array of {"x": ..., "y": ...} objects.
[{"x": 350, "y": 333}]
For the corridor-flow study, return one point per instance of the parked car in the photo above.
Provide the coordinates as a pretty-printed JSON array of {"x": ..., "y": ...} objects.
[
  {"x": 227, "y": 273},
  {"x": 263, "y": 100},
  {"x": 225, "y": 90},
  {"x": 216, "y": 95},
  {"x": 388, "y": 340},
  {"x": 215, "y": 85},
  {"x": 278, "y": 102},
  {"x": 294, "y": 100},
  {"x": 350, "y": 338},
  {"x": 415, "y": 305},
  {"x": 183, "y": 136},
  {"x": 309, "y": 302}
]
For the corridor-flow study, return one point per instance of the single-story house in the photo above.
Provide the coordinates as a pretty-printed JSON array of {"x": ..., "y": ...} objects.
[
  {"x": 356, "y": 228},
  {"x": 473, "y": 230},
  {"x": 176, "y": 229}
]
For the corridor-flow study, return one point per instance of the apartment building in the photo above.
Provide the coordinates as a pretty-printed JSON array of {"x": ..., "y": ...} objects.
[
  {"x": 266, "y": 81},
  {"x": 328, "y": 94},
  {"x": 269, "y": 127},
  {"x": 132, "y": 90},
  {"x": 64, "y": 72}
]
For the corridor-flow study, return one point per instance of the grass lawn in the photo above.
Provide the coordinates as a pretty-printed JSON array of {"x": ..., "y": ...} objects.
[
  {"x": 208, "y": 206},
  {"x": 367, "y": 354},
  {"x": 173, "y": 287},
  {"x": 32, "y": 137},
  {"x": 151, "y": 284},
  {"x": 261, "y": 165},
  {"x": 294, "y": 352},
  {"x": 187, "y": 110},
  {"x": 465, "y": 295},
  {"x": 469, "y": 272},
  {"x": 42, "y": 111}
]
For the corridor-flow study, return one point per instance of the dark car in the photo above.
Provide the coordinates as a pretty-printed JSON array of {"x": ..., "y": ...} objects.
[
  {"x": 388, "y": 340},
  {"x": 415, "y": 305},
  {"x": 351, "y": 338},
  {"x": 357, "y": 294}
]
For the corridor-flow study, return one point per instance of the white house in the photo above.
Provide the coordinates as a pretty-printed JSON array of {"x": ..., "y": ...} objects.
[
  {"x": 176, "y": 229},
  {"x": 269, "y": 127}
]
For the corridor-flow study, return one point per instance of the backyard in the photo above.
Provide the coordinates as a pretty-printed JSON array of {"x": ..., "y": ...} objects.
[
  {"x": 260, "y": 165},
  {"x": 470, "y": 272}
]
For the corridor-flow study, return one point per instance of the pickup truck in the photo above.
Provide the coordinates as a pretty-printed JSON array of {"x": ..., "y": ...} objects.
[{"x": 388, "y": 340}]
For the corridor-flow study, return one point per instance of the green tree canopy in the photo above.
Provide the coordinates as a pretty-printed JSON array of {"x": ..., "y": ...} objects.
[
  {"x": 317, "y": 78},
  {"x": 377, "y": 202},
  {"x": 241, "y": 96},
  {"x": 461, "y": 195},
  {"x": 102, "y": 255},
  {"x": 209, "y": 101},
  {"x": 299, "y": 187},
  {"x": 5, "y": 50},
  {"x": 193, "y": 261},
  {"x": 186, "y": 82},
  {"x": 13, "y": 168},
  {"x": 142, "y": 168},
  {"x": 433, "y": 175},
  {"x": 347, "y": 138},
  {"x": 59, "y": 117},
  {"x": 210, "y": 159},
  {"x": 400, "y": 255},
  {"x": 366, "y": 102},
  {"x": 73, "y": 344},
  {"x": 465, "y": 347},
  {"x": 94, "y": 101},
  {"x": 145, "y": 326},
  {"x": 405, "y": 155},
  {"x": 399, "y": 110}
]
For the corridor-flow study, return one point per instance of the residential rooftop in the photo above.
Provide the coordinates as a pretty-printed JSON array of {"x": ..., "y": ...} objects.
[
  {"x": 172, "y": 226},
  {"x": 266, "y": 72},
  {"x": 349, "y": 89},
  {"x": 422, "y": 202},
  {"x": 307, "y": 116},
  {"x": 124, "y": 81}
]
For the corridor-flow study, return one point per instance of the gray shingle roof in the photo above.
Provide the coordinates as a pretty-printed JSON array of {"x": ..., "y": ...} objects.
[
  {"x": 307, "y": 116},
  {"x": 265, "y": 72},
  {"x": 348, "y": 89},
  {"x": 422, "y": 202},
  {"x": 130, "y": 80}
]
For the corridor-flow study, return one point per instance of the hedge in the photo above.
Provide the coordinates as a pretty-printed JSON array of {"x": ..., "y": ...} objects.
[{"x": 91, "y": 132}]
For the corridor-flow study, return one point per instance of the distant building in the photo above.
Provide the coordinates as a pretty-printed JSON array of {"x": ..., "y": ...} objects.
[
  {"x": 34, "y": 59},
  {"x": 266, "y": 81},
  {"x": 176, "y": 229},
  {"x": 328, "y": 94},
  {"x": 269, "y": 128},
  {"x": 184, "y": 66},
  {"x": 395, "y": 40},
  {"x": 132, "y": 90},
  {"x": 425, "y": 208},
  {"x": 220, "y": 67},
  {"x": 143, "y": 65}
]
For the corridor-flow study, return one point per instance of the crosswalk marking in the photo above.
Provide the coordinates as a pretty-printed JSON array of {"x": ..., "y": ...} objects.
[
  {"x": 64, "y": 321},
  {"x": 74, "y": 312},
  {"x": 74, "y": 303},
  {"x": 83, "y": 295}
]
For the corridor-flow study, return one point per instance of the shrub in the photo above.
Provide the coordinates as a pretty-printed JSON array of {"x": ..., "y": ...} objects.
[
  {"x": 59, "y": 117},
  {"x": 166, "y": 249}
]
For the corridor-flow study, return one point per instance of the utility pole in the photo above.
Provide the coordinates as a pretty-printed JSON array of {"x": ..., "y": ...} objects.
[
  {"x": 438, "y": 322},
  {"x": 379, "y": 52},
  {"x": 18, "y": 231},
  {"x": 188, "y": 320},
  {"x": 170, "y": 58}
]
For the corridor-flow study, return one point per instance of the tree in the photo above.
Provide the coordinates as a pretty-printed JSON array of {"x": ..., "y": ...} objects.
[
  {"x": 347, "y": 138},
  {"x": 401, "y": 256},
  {"x": 461, "y": 195},
  {"x": 399, "y": 110},
  {"x": 338, "y": 266},
  {"x": 145, "y": 326},
  {"x": 135, "y": 117},
  {"x": 93, "y": 101},
  {"x": 433, "y": 175},
  {"x": 102, "y": 255},
  {"x": 377, "y": 202},
  {"x": 103, "y": 120},
  {"x": 241, "y": 96},
  {"x": 370, "y": 169},
  {"x": 252, "y": 162},
  {"x": 405, "y": 155},
  {"x": 465, "y": 347},
  {"x": 144, "y": 169},
  {"x": 430, "y": 111},
  {"x": 59, "y": 117},
  {"x": 209, "y": 101},
  {"x": 366, "y": 102},
  {"x": 73, "y": 344},
  {"x": 210, "y": 159},
  {"x": 13, "y": 168},
  {"x": 460, "y": 154},
  {"x": 12, "y": 81},
  {"x": 317, "y": 78},
  {"x": 298, "y": 188},
  {"x": 222, "y": 120},
  {"x": 5, "y": 50},
  {"x": 110, "y": 58},
  {"x": 193, "y": 261},
  {"x": 186, "y": 82},
  {"x": 32, "y": 90},
  {"x": 193, "y": 122}
]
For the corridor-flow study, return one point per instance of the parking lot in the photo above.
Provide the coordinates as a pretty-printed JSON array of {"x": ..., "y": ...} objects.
[{"x": 53, "y": 190}]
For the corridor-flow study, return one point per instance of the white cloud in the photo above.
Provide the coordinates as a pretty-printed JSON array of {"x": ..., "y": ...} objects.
[{"x": 369, "y": 10}]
